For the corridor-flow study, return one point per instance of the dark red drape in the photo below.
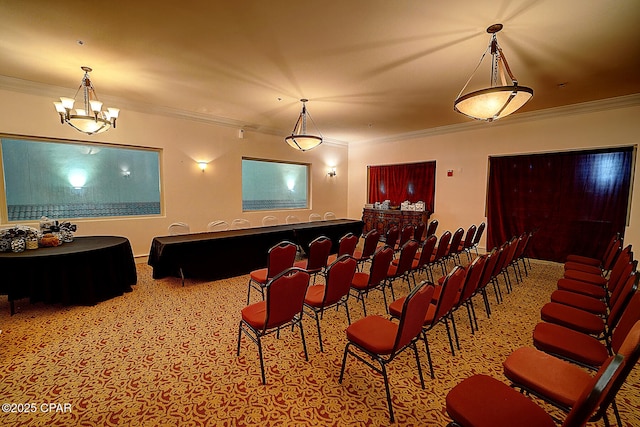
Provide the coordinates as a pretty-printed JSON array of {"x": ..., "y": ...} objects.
[
  {"x": 575, "y": 200},
  {"x": 398, "y": 183}
]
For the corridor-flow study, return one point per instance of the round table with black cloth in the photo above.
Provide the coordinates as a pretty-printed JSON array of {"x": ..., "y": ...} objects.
[{"x": 84, "y": 272}]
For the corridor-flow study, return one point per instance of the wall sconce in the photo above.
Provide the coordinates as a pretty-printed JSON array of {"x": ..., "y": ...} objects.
[
  {"x": 126, "y": 174},
  {"x": 332, "y": 172},
  {"x": 202, "y": 166}
]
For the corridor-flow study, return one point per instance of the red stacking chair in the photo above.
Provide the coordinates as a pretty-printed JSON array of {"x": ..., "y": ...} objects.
[
  {"x": 406, "y": 234},
  {"x": 596, "y": 265},
  {"x": 596, "y": 277},
  {"x": 363, "y": 282},
  {"x": 422, "y": 260},
  {"x": 401, "y": 268},
  {"x": 598, "y": 290},
  {"x": 589, "y": 323},
  {"x": 381, "y": 340},
  {"x": 471, "y": 283},
  {"x": 583, "y": 349},
  {"x": 453, "y": 250},
  {"x": 334, "y": 293},
  {"x": 483, "y": 401},
  {"x": 439, "y": 256},
  {"x": 316, "y": 262},
  {"x": 281, "y": 308},
  {"x": 440, "y": 309},
  {"x": 391, "y": 236},
  {"x": 418, "y": 233},
  {"x": 346, "y": 246},
  {"x": 432, "y": 227},
  {"x": 478, "y": 236},
  {"x": 369, "y": 247},
  {"x": 485, "y": 279},
  {"x": 280, "y": 257},
  {"x": 599, "y": 306},
  {"x": 467, "y": 242},
  {"x": 559, "y": 382}
]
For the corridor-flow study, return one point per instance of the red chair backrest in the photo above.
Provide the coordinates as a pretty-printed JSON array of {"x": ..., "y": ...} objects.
[
  {"x": 392, "y": 235},
  {"x": 443, "y": 245},
  {"x": 489, "y": 267},
  {"x": 450, "y": 288},
  {"x": 618, "y": 307},
  {"x": 407, "y": 254},
  {"x": 380, "y": 265},
  {"x": 479, "y": 231},
  {"x": 414, "y": 310},
  {"x": 347, "y": 244},
  {"x": 472, "y": 279},
  {"x": 339, "y": 276},
  {"x": 630, "y": 316},
  {"x": 418, "y": 233},
  {"x": 406, "y": 234},
  {"x": 468, "y": 238},
  {"x": 371, "y": 240},
  {"x": 281, "y": 257},
  {"x": 319, "y": 250},
  {"x": 427, "y": 250},
  {"x": 455, "y": 241},
  {"x": 433, "y": 226},
  {"x": 594, "y": 392},
  {"x": 285, "y": 296}
]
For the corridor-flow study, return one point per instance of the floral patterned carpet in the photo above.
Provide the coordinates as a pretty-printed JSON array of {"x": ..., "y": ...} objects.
[{"x": 165, "y": 355}]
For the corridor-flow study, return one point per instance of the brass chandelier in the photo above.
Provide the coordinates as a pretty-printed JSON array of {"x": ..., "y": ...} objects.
[{"x": 299, "y": 138}]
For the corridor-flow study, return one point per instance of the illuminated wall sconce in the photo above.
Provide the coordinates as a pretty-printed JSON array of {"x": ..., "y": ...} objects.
[
  {"x": 126, "y": 174},
  {"x": 332, "y": 172},
  {"x": 202, "y": 166}
]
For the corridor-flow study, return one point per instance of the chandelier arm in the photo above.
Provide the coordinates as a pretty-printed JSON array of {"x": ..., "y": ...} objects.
[
  {"x": 314, "y": 124},
  {"x": 474, "y": 71},
  {"x": 506, "y": 66}
]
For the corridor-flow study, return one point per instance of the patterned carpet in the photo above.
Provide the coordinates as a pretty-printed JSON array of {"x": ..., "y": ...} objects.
[{"x": 164, "y": 355}]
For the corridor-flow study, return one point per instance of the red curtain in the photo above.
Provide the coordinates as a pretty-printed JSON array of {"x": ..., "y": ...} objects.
[
  {"x": 398, "y": 183},
  {"x": 575, "y": 200}
]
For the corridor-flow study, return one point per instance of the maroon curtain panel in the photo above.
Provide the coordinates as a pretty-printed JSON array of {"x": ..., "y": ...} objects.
[
  {"x": 398, "y": 183},
  {"x": 575, "y": 201}
]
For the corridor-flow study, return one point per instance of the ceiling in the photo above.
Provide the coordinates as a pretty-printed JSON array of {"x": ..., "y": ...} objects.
[{"x": 370, "y": 68}]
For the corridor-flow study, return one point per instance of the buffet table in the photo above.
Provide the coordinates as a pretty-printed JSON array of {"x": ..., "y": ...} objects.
[
  {"x": 381, "y": 219},
  {"x": 85, "y": 271},
  {"x": 222, "y": 254}
]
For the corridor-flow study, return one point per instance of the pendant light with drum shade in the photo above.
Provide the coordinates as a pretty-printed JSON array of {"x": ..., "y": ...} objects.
[
  {"x": 299, "y": 138},
  {"x": 496, "y": 101}
]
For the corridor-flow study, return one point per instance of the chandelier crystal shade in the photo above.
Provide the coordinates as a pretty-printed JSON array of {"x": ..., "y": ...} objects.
[
  {"x": 299, "y": 138},
  {"x": 89, "y": 119},
  {"x": 496, "y": 101}
]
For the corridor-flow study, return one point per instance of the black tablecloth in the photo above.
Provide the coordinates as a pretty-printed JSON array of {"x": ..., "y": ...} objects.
[
  {"x": 85, "y": 271},
  {"x": 222, "y": 254}
]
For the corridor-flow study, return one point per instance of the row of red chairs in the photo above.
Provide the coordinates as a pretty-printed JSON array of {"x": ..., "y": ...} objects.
[{"x": 581, "y": 327}]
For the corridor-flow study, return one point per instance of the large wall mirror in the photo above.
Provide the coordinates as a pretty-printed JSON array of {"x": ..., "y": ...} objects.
[{"x": 66, "y": 179}]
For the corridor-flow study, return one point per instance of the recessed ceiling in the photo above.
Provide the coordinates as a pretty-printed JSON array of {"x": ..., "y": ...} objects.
[{"x": 370, "y": 68}]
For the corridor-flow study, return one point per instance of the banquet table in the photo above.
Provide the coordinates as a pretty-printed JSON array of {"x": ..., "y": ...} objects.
[
  {"x": 85, "y": 272},
  {"x": 223, "y": 254}
]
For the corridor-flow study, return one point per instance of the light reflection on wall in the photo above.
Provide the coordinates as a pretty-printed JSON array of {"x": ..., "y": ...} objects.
[{"x": 77, "y": 178}]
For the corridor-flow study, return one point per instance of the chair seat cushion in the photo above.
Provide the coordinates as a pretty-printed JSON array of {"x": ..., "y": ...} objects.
[
  {"x": 315, "y": 295},
  {"x": 583, "y": 302},
  {"x": 301, "y": 264},
  {"x": 255, "y": 314},
  {"x": 567, "y": 343},
  {"x": 572, "y": 318},
  {"x": 584, "y": 260},
  {"x": 591, "y": 269},
  {"x": 483, "y": 401},
  {"x": 595, "y": 279},
  {"x": 553, "y": 378},
  {"x": 395, "y": 309},
  {"x": 360, "y": 281},
  {"x": 259, "y": 276},
  {"x": 393, "y": 269},
  {"x": 582, "y": 288},
  {"x": 373, "y": 333}
]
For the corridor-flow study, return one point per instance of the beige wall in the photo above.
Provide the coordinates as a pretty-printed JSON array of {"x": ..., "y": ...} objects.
[
  {"x": 189, "y": 194},
  {"x": 460, "y": 199}
]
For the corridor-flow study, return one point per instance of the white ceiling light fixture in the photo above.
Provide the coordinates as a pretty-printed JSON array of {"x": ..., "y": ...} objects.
[
  {"x": 299, "y": 138},
  {"x": 497, "y": 101},
  {"x": 90, "y": 118}
]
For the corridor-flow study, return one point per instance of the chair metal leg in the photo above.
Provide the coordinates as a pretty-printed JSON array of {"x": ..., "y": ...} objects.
[
  {"x": 426, "y": 346},
  {"x": 388, "y": 392},
  {"x": 319, "y": 332},
  {"x": 415, "y": 352},
  {"x": 344, "y": 362},
  {"x": 239, "y": 337},
  {"x": 264, "y": 379},
  {"x": 304, "y": 343},
  {"x": 446, "y": 324}
]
